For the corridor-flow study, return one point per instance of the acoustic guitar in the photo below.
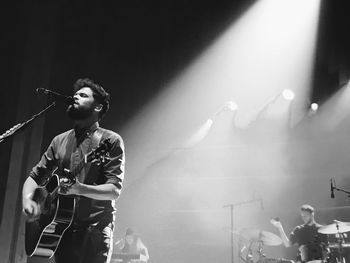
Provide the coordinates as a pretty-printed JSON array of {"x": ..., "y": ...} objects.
[{"x": 44, "y": 232}]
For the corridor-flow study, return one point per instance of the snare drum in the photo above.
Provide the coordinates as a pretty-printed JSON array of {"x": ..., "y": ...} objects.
[{"x": 313, "y": 253}]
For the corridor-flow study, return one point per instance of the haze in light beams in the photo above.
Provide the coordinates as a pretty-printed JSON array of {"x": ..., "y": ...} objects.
[{"x": 268, "y": 49}]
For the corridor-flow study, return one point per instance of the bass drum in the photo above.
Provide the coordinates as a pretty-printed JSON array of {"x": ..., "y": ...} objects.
[{"x": 274, "y": 260}]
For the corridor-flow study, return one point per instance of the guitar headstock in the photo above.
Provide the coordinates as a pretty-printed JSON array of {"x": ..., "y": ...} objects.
[{"x": 100, "y": 154}]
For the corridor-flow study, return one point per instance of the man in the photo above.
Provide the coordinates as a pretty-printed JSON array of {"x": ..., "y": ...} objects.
[
  {"x": 97, "y": 187},
  {"x": 311, "y": 244}
]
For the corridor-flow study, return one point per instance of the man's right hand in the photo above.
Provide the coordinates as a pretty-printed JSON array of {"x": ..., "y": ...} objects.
[
  {"x": 276, "y": 223},
  {"x": 31, "y": 209}
]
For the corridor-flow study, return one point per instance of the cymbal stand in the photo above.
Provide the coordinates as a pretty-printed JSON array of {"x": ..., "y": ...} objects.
[
  {"x": 340, "y": 239},
  {"x": 232, "y": 206}
]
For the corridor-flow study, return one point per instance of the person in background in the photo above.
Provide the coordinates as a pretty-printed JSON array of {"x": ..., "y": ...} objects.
[
  {"x": 311, "y": 244},
  {"x": 132, "y": 244}
]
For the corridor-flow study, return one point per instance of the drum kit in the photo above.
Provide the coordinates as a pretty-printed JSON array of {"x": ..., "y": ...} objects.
[
  {"x": 257, "y": 239},
  {"x": 339, "y": 230},
  {"x": 312, "y": 253}
]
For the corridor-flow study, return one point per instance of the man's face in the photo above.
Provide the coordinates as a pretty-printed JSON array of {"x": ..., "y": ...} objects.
[
  {"x": 84, "y": 104},
  {"x": 129, "y": 239},
  {"x": 306, "y": 216}
]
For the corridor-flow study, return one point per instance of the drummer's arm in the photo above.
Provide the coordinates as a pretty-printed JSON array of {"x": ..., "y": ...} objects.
[{"x": 284, "y": 237}]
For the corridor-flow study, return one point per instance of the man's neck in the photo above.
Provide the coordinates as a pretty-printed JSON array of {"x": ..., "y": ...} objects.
[
  {"x": 311, "y": 222},
  {"x": 84, "y": 124}
]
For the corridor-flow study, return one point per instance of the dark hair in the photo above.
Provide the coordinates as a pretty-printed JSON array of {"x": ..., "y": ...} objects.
[
  {"x": 307, "y": 208},
  {"x": 129, "y": 232},
  {"x": 100, "y": 95}
]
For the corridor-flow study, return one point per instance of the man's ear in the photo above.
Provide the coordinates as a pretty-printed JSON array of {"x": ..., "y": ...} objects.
[{"x": 98, "y": 107}]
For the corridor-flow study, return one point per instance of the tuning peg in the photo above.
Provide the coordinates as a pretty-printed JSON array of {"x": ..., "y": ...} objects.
[{"x": 105, "y": 159}]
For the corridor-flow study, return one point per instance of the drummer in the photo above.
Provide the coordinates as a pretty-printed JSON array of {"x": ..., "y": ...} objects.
[{"x": 311, "y": 244}]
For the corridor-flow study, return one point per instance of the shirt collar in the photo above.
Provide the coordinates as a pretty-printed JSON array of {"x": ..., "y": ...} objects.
[{"x": 87, "y": 130}]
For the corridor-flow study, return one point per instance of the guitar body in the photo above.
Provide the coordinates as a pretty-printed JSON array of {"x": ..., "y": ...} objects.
[{"x": 43, "y": 234}]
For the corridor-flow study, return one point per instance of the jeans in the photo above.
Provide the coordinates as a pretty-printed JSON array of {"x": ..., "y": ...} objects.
[{"x": 86, "y": 244}]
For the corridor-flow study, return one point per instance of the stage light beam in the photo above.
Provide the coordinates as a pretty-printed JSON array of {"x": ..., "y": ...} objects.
[{"x": 269, "y": 49}]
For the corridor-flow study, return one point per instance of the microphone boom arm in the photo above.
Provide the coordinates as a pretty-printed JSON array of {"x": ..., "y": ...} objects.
[
  {"x": 333, "y": 187},
  {"x": 341, "y": 190},
  {"x": 20, "y": 126}
]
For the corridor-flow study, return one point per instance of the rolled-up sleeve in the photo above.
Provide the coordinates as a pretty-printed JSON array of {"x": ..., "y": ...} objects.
[
  {"x": 48, "y": 162},
  {"x": 113, "y": 169}
]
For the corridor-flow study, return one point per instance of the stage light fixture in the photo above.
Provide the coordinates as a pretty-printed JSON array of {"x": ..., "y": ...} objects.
[
  {"x": 288, "y": 94},
  {"x": 231, "y": 105},
  {"x": 314, "y": 106}
]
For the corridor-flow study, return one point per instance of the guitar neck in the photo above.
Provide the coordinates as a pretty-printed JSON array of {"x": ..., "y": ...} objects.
[
  {"x": 98, "y": 155},
  {"x": 77, "y": 169}
]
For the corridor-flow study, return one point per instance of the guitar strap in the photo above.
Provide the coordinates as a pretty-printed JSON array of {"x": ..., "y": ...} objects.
[{"x": 97, "y": 138}]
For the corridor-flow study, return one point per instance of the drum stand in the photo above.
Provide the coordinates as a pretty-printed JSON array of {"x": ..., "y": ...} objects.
[
  {"x": 249, "y": 257},
  {"x": 260, "y": 251},
  {"x": 262, "y": 256}
]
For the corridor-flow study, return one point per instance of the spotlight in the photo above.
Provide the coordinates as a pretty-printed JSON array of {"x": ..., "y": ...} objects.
[
  {"x": 314, "y": 106},
  {"x": 288, "y": 94},
  {"x": 232, "y": 105}
]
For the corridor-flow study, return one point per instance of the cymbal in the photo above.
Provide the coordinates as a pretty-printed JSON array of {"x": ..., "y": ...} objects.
[
  {"x": 267, "y": 238},
  {"x": 335, "y": 228}
]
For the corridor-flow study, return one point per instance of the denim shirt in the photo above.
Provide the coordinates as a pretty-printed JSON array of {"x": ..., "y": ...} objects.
[{"x": 67, "y": 150}]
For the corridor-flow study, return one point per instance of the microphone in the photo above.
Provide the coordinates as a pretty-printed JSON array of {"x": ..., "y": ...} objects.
[
  {"x": 332, "y": 189},
  {"x": 56, "y": 96}
]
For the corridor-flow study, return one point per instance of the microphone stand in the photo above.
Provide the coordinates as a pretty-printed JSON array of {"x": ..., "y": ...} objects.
[
  {"x": 20, "y": 126},
  {"x": 232, "y": 206}
]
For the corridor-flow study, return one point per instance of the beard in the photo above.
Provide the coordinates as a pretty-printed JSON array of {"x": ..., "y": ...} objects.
[{"x": 79, "y": 113}]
